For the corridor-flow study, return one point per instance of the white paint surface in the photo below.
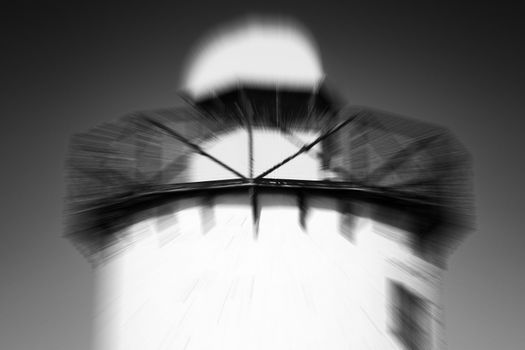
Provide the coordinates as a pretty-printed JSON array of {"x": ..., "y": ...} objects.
[{"x": 173, "y": 286}]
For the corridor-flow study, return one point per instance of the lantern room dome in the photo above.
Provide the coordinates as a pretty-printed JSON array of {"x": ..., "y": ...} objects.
[{"x": 254, "y": 53}]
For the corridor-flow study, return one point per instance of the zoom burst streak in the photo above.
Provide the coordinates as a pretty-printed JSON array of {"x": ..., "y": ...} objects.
[{"x": 263, "y": 213}]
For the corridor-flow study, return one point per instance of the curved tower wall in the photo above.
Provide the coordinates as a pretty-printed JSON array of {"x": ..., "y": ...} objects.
[{"x": 194, "y": 274}]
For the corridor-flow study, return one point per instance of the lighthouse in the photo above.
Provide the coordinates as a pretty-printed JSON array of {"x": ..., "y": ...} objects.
[{"x": 266, "y": 213}]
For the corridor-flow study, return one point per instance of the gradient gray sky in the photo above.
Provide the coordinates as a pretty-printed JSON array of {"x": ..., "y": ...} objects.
[{"x": 66, "y": 68}]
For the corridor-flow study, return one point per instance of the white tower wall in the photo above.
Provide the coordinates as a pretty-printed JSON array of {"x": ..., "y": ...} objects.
[{"x": 195, "y": 275}]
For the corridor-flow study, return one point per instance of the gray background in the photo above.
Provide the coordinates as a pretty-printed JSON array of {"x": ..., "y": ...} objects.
[{"x": 66, "y": 68}]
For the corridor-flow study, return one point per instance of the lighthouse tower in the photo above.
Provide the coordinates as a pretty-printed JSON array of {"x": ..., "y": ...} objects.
[{"x": 263, "y": 213}]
